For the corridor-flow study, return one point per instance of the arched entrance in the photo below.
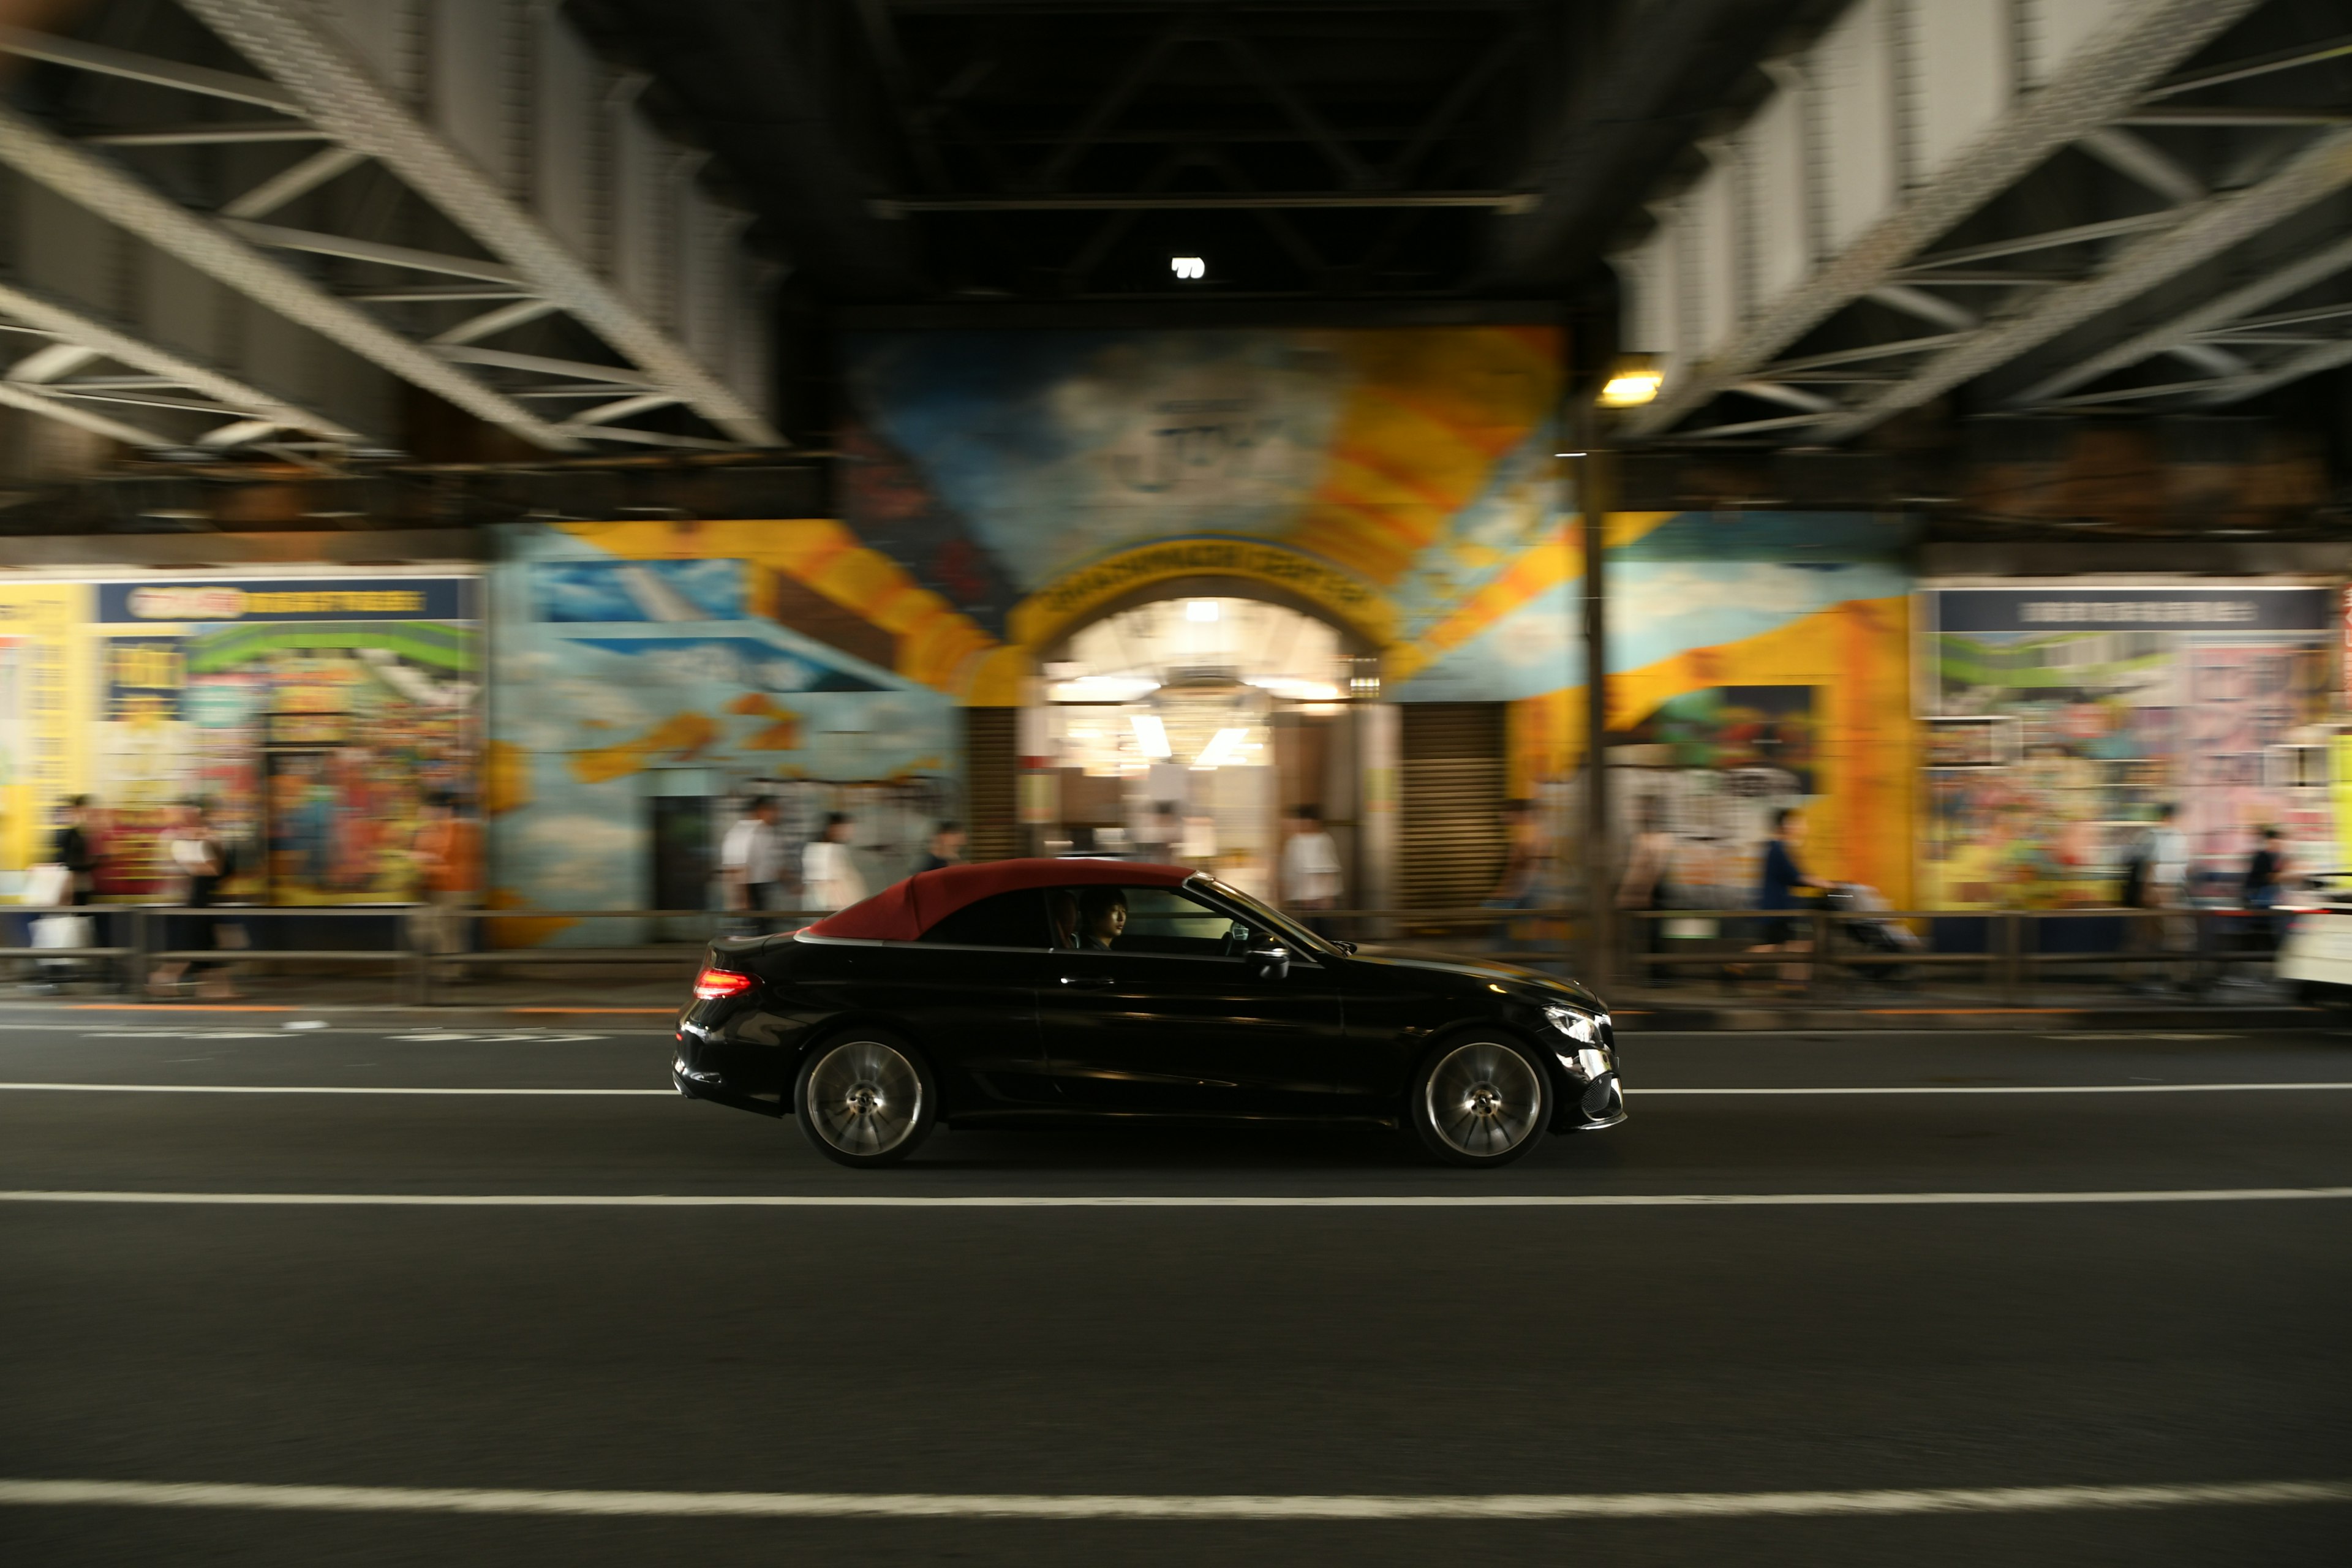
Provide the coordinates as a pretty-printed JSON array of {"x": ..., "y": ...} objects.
[{"x": 1184, "y": 720}]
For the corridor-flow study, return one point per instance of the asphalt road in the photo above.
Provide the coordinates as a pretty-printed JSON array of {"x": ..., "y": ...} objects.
[{"x": 1198, "y": 1348}]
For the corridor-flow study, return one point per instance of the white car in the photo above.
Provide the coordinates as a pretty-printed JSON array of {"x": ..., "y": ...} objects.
[{"x": 2316, "y": 956}]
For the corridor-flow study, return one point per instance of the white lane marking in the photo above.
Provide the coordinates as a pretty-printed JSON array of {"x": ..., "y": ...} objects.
[
  {"x": 1148, "y": 1506},
  {"x": 1086, "y": 1201},
  {"x": 299, "y": 1088},
  {"x": 1635, "y": 1094},
  {"x": 1632, "y": 1094}
]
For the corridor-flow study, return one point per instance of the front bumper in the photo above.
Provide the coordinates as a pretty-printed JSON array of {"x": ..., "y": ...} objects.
[{"x": 1603, "y": 1104}]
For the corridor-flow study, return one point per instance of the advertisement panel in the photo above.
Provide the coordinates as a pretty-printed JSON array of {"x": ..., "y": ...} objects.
[
  {"x": 312, "y": 714},
  {"x": 2120, "y": 700}
]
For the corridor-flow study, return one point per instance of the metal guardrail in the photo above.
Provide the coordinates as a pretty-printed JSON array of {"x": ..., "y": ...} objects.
[
  {"x": 2013, "y": 957},
  {"x": 437, "y": 944}
]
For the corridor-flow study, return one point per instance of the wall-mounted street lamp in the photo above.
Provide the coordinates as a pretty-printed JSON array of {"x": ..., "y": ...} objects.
[{"x": 1634, "y": 380}]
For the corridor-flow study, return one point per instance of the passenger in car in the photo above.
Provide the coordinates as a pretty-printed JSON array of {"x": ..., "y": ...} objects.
[
  {"x": 1102, "y": 916},
  {"x": 1062, "y": 909}
]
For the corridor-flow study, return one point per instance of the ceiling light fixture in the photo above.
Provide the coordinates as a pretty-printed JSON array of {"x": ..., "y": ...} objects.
[
  {"x": 1199, "y": 610},
  {"x": 1634, "y": 380},
  {"x": 1151, "y": 734},
  {"x": 1220, "y": 749}
]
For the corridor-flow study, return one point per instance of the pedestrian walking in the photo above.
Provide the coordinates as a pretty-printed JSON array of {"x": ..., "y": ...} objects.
[
  {"x": 946, "y": 847},
  {"x": 72, "y": 849},
  {"x": 1776, "y": 884},
  {"x": 2266, "y": 873},
  {"x": 828, "y": 874},
  {"x": 200, "y": 863},
  {"x": 1310, "y": 864},
  {"x": 2156, "y": 881},
  {"x": 751, "y": 859},
  {"x": 1522, "y": 868},
  {"x": 447, "y": 849},
  {"x": 1646, "y": 884}
]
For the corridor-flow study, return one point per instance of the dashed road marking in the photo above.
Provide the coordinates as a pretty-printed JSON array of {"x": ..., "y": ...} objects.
[
  {"x": 1150, "y": 1505},
  {"x": 1637, "y": 1094},
  {"x": 304, "y": 1089}
]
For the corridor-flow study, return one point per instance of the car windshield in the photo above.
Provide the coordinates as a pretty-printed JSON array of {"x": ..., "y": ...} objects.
[{"x": 1273, "y": 919}]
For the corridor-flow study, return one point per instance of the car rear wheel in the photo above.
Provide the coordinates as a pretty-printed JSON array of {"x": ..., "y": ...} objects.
[
  {"x": 867, "y": 1098},
  {"x": 1480, "y": 1100}
]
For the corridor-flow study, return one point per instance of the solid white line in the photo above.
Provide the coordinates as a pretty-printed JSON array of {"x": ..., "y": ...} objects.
[
  {"x": 1085, "y": 1201},
  {"x": 296, "y": 1089},
  {"x": 1116, "y": 1505},
  {"x": 1631, "y": 1095},
  {"x": 1636, "y": 1094}
]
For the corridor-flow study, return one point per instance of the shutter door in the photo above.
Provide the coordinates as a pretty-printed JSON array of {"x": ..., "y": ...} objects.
[
  {"x": 1450, "y": 848},
  {"x": 990, "y": 783}
]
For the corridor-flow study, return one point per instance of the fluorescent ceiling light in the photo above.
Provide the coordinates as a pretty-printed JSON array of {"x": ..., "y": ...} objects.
[
  {"x": 1220, "y": 748},
  {"x": 1199, "y": 610},
  {"x": 1152, "y": 733},
  {"x": 1297, "y": 691},
  {"x": 1104, "y": 688}
]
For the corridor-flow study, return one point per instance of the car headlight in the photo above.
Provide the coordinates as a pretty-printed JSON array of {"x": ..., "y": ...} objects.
[{"x": 1581, "y": 1028}]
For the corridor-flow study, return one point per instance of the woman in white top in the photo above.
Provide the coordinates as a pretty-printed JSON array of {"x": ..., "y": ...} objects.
[{"x": 828, "y": 876}]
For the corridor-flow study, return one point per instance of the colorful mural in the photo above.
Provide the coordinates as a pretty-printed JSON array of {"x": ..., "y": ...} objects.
[
  {"x": 1387, "y": 477},
  {"x": 1757, "y": 660},
  {"x": 647, "y": 678}
]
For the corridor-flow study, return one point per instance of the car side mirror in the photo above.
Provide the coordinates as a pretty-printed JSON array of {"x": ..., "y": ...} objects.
[{"x": 1269, "y": 963}]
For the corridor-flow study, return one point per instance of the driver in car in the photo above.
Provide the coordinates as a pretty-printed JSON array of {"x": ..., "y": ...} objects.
[{"x": 1102, "y": 916}]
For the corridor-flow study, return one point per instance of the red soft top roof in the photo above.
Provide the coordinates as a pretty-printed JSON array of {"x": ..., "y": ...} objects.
[{"x": 905, "y": 911}]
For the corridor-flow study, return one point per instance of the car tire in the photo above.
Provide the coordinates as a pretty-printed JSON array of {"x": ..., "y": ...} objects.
[
  {"x": 865, "y": 1097},
  {"x": 1480, "y": 1100}
]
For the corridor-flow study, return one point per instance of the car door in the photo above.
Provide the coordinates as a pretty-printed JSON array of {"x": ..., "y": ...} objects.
[
  {"x": 968, "y": 992},
  {"x": 1171, "y": 1018}
]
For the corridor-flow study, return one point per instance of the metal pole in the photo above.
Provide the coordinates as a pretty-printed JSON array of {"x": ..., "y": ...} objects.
[{"x": 1596, "y": 496}]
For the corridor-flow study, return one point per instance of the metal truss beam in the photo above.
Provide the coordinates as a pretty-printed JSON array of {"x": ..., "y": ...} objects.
[
  {"x": 84, "y": 337},
  {"x": 64, "y": 413},
  {"x": 1500, "y": 201},
  {"x": 105, "y": 61},
  {"x": 2311, "y": 362},
  {"x": 338, "y": 94},
  {"x": 2212, "y": 227},
  {"x": 2101, "y": 83},
  {"x": 83, "y": 177},
  {"x": 2227, "y": 307}
]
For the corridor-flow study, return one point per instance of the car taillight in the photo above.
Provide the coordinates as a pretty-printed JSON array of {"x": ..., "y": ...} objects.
[{"x": 717, "y": 985}]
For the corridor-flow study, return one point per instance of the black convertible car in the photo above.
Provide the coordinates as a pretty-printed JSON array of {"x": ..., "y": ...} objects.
[{"x": 1028, "y": 990}]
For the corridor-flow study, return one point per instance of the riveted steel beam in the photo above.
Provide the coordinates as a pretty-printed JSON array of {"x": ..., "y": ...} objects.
[
  {"x": 2212, "y": 227},
  {"x": 341, "y": 95},
  {"x": 92, "y": 182},
  {"x": 2100, "y": 83},
  {"x": 2291, "y": 278}
]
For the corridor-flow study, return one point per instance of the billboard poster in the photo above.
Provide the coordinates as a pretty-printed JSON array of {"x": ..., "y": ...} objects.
[
  {"x": 2117, "y": 701},
  {"x": 312, "y": 715}
]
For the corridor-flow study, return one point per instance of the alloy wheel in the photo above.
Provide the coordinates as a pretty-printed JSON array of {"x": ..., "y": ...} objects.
[
  {"x": 1483, "y": 1099},
  {"x": 865, "y": 1098}
]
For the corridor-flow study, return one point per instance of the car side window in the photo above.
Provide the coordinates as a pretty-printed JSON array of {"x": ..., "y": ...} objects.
[
  {"x": 1004, "y": 920},
  {"x": 1147, "y": 920}
]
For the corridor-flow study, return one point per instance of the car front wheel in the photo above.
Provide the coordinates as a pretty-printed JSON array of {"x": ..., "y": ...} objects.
[
  {"x": 1480, "y": 1100},
  {"x": 867, "y": 1098}
]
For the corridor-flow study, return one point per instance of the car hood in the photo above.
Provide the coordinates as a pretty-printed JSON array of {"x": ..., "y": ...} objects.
[{"x": 1480, "y": 970}]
